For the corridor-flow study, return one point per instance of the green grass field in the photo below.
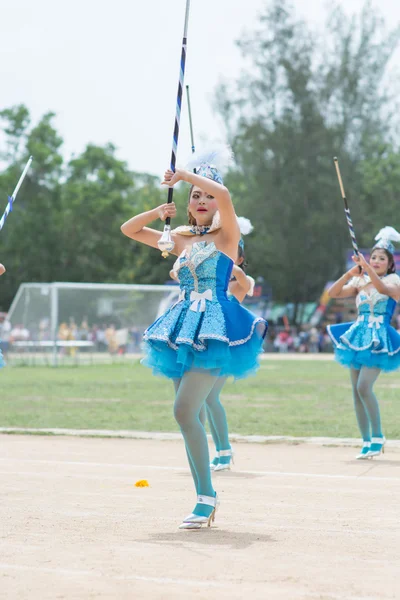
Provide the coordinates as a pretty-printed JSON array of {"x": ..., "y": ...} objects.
[{"x": 299, "y": 398}]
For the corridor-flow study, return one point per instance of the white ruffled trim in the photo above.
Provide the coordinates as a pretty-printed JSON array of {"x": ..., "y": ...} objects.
[
  {"x": 202, "y": 346},
  {"x": 334, "y": 340},
  {"x": 384, "y": 350},
  {"x": 244, "y": 340},
  {"x": 189, "y": 342},
  {"x": 344, "y": 344},
  {"x": 159, "y": 338}
]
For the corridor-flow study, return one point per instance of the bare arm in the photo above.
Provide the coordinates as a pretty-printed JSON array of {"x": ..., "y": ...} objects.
[
  {"x": 136, "y": 228},
  {"x": 2, "y": 269},
  {"x": 341, "y": 287},
  {"x": 241, "y": 278},
  {"x": 236, "y": 290},
  {"x": 242, "y": 284},
  {"x": 230, "y": 227}
]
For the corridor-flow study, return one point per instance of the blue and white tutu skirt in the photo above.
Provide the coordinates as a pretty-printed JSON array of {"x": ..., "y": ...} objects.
[
  {"x": 225, "y": 338},
  {"x": 368, "y": 342},
  {"x": 204, "y": 329}
]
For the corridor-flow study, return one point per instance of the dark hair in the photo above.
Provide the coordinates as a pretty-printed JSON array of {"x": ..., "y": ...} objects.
[
  {"x": 241, "y": 254},
  {"x": 392, "y": 264},
  {"x": 191, "y": 219}
]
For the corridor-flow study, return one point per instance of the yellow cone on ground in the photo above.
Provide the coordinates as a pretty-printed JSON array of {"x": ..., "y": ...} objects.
[{"x": 142, "y": 483}]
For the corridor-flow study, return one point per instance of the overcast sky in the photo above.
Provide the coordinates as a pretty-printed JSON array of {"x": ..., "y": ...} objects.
[{"x": 110, "y": 69}]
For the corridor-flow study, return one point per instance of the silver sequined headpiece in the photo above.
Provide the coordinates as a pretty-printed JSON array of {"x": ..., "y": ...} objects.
[
  {"x": 212, "y": 163},
  {"x": 385, "y": 237}
]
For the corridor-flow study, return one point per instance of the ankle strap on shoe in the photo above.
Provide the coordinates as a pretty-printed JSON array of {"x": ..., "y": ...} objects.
[
  {"x": 228, "y": 452},
  {"x": 207, "y": 500}
]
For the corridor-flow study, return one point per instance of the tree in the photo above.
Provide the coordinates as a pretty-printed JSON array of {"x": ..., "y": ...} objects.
[
  {"x": 304, "y": 100},
  {"x": 145, "y": 265},
  {"x": 100, "y": 193},
  {"x": 17, "y": 120},
  {"x": 66, "y": 222},
  {"x": 379, "y": 195},
  {"x": 29, "y": 239}
]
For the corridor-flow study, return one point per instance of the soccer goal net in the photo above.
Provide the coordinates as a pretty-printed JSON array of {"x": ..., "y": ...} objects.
[{"x": 67, "y": 323}]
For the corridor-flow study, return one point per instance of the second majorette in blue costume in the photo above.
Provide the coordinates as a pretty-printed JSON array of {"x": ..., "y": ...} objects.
[
  {"x": 370, "y": 344},
  {"x": 204, "y": 336}
]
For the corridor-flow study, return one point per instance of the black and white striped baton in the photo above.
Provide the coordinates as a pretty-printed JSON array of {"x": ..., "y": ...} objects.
[
  {"x": 165, "y": 243},
  {"x": 347, "y": 210}
]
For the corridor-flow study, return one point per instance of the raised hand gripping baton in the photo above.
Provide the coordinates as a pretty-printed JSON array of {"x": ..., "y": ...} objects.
[{"x": 165, "y": 243}]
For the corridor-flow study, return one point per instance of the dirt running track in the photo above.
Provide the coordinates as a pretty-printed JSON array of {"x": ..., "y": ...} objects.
[{"x": 295, "y": 523}]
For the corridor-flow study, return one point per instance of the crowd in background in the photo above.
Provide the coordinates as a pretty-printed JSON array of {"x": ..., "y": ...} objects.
[
  {"x": 97, "y": 337},
  {"x": 104, "y": 337},
  {"x": 293, "y": 339},
  {"x": 108, "y": 338}
]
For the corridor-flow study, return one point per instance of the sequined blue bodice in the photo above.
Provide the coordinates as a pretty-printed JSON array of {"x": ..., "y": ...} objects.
[
  {"x": 370, "y": 341},
  {"x": 204, "y": 329},
  {"x": 204, "y": 270},
  {"x": 374, "y": 306}
]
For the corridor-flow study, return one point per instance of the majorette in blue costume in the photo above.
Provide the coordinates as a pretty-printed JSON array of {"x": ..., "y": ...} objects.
[
  {"x": 240, "y": 286},
  {"x": 204, "y": 336},
  {"x": 204, "y": 330},
  {"x": 370, "y": 344}
]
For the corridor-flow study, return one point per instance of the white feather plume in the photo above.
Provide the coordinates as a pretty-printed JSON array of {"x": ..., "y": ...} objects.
[
  {"x": 216, "y": 154},
  {"x": 245, "y": 225},
  {"x": 388, "y": 233}
]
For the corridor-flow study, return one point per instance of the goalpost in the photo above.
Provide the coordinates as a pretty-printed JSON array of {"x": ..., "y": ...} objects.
[{"x": 82, "y": 322}]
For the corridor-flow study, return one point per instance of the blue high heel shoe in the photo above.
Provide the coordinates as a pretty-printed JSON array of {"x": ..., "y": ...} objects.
[
  {"x": 364, "y": 451},
  {"x": 225, "y": 464},
  {"x": 194, "y": 521},
  {"x": 215, "y": 462},
  {"x": 377, "y": 447}
]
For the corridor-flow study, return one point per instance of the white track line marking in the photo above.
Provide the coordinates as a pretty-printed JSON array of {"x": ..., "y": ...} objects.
[
  {"x": 345, "y": 530},
  {"x": 97, "y": 574},
  {"x": 178, "y": 582},
  {"x": 358, "y": 477},
  {"x": 250, "y": 526},
  {"x": 173, "y": 436},
  {"x": 127, "y": 481}
]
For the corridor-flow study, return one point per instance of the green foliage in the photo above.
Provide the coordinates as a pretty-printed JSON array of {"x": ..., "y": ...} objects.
[
  {"x": 304, "y": 100},
  {"x": 379, "y": 195},
  {"x": 66, "y": 221},
  {"x": 17, "y": 120}
]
